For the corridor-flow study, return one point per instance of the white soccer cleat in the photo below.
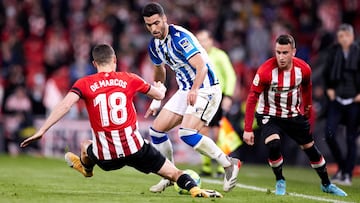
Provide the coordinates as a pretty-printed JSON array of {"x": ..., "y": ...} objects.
[
  {"x": 161, "y": 186},
  {"x": 231, "y": 174}
]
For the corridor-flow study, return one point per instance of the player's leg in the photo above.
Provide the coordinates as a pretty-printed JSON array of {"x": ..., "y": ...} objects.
[
  {"x": 83, "y": 164},
  {"x": 195, "y": 118},
  {"x": 270, "y": 131},
  {"x": 275, "y": 160},
  {"x": 169, "y": 117},
  {"x": 206, "y": 166},
  {"x": 169, "y": 171},
  {"x": 212, "y": 131},
  {"x": 148, "y": 160},
  {"x": 319, "y": 164},
  {"x": 299, "y": 130},
  {"x": 165, "y": 121}
]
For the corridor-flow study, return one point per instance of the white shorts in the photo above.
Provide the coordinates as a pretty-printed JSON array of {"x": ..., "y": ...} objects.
[{"x": 207, "y": 103}]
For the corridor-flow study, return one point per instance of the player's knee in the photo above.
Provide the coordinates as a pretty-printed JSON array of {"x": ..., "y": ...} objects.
[
  {"x": 157, "y": 137},
  {"x": 275, "y": 157},
  {"x": 274, "y": 145},
  {"x": 189, "y": 136}
]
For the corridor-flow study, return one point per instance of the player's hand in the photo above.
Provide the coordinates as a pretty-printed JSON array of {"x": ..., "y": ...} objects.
[
  {"x": 160, "y": 86},
  {"x": 31, "y": 139},
  {"x": 248, "y": 138},
  {"x": 191, "y": 97},
  {"x": 153, "y": 109}
]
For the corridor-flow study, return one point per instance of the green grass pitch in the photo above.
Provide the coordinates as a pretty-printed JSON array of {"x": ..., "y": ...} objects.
[{"x": 29, "y": 179}]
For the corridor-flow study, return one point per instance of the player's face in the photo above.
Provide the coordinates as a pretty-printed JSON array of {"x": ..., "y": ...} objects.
[
  {"x": 345, "y": 38},
  {"x": 156, "y": 25},
  {"x": 284, "y": 55}
]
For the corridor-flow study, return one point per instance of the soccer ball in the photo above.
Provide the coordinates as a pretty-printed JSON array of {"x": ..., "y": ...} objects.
[{"x": 195, "y": 176}]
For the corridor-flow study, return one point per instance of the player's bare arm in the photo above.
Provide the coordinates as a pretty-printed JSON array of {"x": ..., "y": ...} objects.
[
  {"x": 59, "y": 111},
  {"x": 159, "y": 76},
  {"x": 201, "y": 71},
  {"x": 160, "y": 73},
  {"x": 157, "y": 91}
]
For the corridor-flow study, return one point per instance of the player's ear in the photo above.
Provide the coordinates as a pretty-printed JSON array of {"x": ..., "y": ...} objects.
[
  {"x": 164, "y": 18},
  {"x": 294, "y": 52},
  {"x": 94, "y": 64}
]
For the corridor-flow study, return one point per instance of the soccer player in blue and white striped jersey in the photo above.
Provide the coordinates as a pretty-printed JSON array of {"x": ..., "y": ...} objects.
[{"x": 194, "y": 103}]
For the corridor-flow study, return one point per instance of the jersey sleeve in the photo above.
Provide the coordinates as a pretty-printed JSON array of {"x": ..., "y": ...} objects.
[
  {"x": 186, "y": 45},
  {"x": 259, "y": 83},
  {"x": 306, "y": 86},
  {"x": 140, "y": 84},
  {"x": 77, "y": 88},
  {"x": 153, "y": 54}
]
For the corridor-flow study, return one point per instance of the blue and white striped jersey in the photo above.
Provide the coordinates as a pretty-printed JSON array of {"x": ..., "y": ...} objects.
[{"x": 175, "y": 50}]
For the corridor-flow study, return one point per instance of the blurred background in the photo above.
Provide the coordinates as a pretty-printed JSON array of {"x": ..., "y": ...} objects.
[{"x": 45, "y": 46}]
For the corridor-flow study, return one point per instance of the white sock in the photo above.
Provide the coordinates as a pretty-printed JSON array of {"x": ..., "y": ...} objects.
[
  {"x": 208, "y": 147},
  {"x": 166, "y": 149},
  {"x": 162, "y": 143}
]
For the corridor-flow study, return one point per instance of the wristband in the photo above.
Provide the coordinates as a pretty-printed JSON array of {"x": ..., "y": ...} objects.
[{"x": 155, "y": 104}]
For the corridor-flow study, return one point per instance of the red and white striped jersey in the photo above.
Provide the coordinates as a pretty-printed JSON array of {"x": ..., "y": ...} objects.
[
  {"x": 279, "y": 93},
  {"x": 109, "y": 102}
]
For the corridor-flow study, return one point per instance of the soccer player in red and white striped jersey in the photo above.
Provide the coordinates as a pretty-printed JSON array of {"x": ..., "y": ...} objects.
[
  {"x": 280, "y": 87},
  {"x": 116, "y": 140}
]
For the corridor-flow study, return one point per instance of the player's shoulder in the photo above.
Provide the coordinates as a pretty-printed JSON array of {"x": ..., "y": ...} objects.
[
  {"x": 267, "y": 66},
  {"x": 178, "y": 33},
  {"x": 298, "y": 62}
]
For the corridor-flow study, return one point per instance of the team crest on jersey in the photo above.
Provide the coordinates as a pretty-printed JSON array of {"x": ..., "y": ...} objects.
[
  {"x": 265, "y": 120},
  {"x": 256, "y": 80},
  {"x": 186, "y": 45}
]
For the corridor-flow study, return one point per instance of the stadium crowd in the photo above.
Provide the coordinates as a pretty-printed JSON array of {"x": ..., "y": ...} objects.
[{"x": 45, "y": 46}]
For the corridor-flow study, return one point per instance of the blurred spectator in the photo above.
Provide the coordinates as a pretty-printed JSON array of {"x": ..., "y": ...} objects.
[
  {"x": 342, "y": 85},
  {"x": 17, "y": 109}
]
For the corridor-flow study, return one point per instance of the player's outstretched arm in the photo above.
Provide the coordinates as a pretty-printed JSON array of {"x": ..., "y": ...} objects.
[
  {"x": 157, "y": 92},
  {"x": 58, "y": 112}
]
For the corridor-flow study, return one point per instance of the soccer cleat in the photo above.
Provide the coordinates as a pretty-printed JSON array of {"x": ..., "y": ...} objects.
[
  {"x": 74, "y": 162},
  {"x": 280, "y": 187},
  {"x": 231, "y": 174},
  {"x": 198, "y": 192},
  {"x": 161, "y": 186},
  {"x": 333, "y": 189}
]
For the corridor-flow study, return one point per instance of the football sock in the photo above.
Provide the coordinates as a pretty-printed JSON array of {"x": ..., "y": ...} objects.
[
  {"x": 204, "y": 145},
  {"x": 88, "y": 166},
  {"x": 318, "y": 163},
  {"x": 186, "y": 182},
  {"x": 275, "y": 158},
  {"x": 161, "y": 142}
]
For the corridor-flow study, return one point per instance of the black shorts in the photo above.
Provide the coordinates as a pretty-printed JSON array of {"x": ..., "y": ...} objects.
[
  {"x": 215, "y": 121},
  {"x": 298, "y": 128},
  {"x": 147, "y": 160}
]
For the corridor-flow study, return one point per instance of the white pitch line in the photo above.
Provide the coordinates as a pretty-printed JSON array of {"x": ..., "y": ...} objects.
[{"x": 266, "y": 190}]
